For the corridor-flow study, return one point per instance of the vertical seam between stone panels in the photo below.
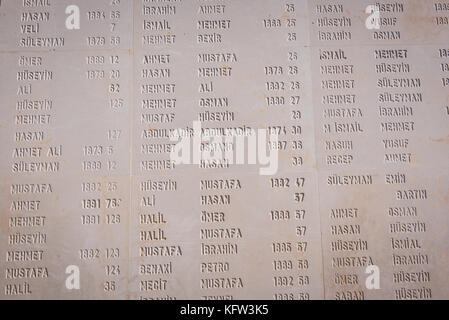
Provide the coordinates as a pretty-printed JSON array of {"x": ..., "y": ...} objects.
[
  {"x": 130, "y": 139},
  {"x": 316, "y": 171}
]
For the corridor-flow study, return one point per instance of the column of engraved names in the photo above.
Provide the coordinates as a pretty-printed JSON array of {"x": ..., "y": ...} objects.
[
  {"x": 58, "y": 163},
  {"x": 406, "y": 103},
  {"x": 27, "y": 217},
  {"x": 274, "y": 100},
  {"x": 161, "y": 202},
  {"x": 221, "y": 235},
  {"x": 342, "y": 135},
  {"x": 399, "y": 112},
  {"x": 399, "y": 102}
]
